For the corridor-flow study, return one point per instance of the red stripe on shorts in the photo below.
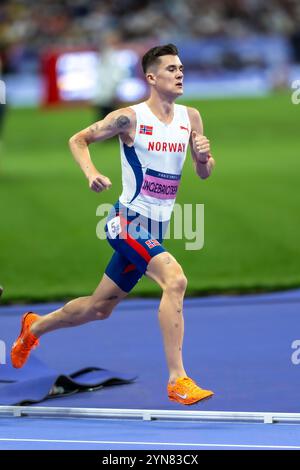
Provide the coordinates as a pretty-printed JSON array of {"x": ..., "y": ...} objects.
[{"x": 133, "y": 243}]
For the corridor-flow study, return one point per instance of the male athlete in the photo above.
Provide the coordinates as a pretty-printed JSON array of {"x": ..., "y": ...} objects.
[{"x": 154, "y": 136}]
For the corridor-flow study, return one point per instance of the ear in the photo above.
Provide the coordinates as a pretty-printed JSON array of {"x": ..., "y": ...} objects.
[{"x": 150, "y": 78}]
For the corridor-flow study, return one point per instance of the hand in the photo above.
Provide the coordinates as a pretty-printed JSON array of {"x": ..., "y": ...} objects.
[
  {"x": 201, "y": 146},
  {"x": 98, "y": 182}
]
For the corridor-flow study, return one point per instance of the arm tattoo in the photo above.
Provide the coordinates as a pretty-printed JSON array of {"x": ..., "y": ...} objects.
[
  {"x": 122, "y": 121},
  {"x": 92, "y": 131},
  {"x": 94, "y": 128}
]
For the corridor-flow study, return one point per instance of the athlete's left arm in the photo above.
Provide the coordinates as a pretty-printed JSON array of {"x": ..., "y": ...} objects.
[{"x": 200, "y": 146}]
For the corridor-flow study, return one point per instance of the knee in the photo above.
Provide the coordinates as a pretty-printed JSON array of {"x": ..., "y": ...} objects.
[{"x": 176, "y": 283}]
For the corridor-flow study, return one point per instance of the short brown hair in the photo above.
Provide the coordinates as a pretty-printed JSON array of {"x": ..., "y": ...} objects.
[{"x": 153, "y": 55}]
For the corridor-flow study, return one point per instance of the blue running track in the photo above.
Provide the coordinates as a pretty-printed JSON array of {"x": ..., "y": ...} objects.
[{"x": 246, "y": 349}]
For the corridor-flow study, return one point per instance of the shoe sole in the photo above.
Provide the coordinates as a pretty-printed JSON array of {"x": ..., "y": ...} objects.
[{"x": 194, "y": 402}]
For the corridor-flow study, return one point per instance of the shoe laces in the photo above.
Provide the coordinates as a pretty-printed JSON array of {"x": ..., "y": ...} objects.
[{"x": 189, "y": 384}]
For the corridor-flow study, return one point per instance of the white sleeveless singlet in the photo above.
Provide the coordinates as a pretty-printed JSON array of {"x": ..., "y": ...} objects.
[{"x": 151, "y": 168}]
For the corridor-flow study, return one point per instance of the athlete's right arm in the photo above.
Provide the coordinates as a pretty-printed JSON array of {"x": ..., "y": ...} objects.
[{"x": 119, "y": 122}]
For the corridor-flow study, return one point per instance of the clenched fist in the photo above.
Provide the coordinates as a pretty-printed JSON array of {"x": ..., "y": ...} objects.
[
  {"x": 201, "y": 146},
  {"x": 98, "y": 182}
]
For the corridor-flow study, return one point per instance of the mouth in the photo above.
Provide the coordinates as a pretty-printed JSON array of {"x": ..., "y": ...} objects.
[{"x": 180, "y": 85}]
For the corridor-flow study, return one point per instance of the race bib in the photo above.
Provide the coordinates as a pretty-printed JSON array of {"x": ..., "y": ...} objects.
[
  {"x": 160, "y": 185},
  {"x": 114, "y": 227}
]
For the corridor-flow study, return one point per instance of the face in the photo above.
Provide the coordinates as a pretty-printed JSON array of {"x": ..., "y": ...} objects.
[{"x": 167, "y": 75}]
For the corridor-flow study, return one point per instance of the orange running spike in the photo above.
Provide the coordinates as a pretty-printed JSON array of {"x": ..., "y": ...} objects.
[
  {"x": 25, "y": 342},
  {"x": 187, "y": 392}
]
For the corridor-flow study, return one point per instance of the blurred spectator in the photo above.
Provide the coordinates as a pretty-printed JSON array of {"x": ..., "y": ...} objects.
[
  {"x": 295, "y": 36},
  {"x": 110, "y": 74},
  {"x": 28, "y": 28},
  {"x": 2, "y": 101},
  {"x": 81, "y": 22}
]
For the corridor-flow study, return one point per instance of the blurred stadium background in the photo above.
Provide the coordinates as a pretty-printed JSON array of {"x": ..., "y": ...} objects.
[{"x": 241, "y": 58}]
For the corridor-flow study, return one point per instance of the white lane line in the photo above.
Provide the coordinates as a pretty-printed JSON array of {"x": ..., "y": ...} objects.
[{"x": 70, "y": 441}]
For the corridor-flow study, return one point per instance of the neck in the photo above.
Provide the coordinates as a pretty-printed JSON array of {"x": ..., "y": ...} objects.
[{"x": 162, "y": 106}]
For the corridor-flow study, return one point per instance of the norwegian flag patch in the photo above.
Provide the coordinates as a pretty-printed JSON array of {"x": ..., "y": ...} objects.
[
  {"x": 152, "y": 243},
  {"x": 148, "y": 130}
]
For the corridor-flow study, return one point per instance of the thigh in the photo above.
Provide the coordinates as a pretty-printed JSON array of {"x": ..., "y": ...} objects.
[{"x": 123, "y": 272}]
